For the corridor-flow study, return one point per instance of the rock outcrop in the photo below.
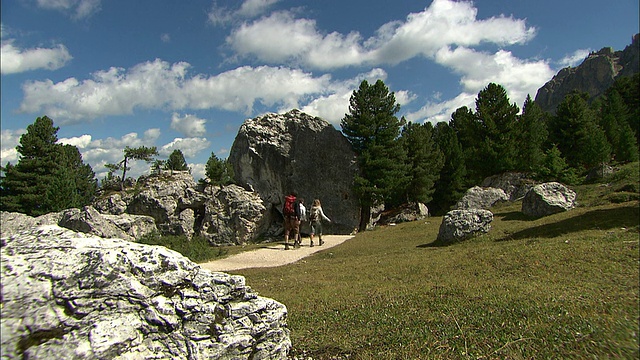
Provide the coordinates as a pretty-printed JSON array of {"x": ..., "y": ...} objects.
[
  {"x": 69, "y": 296},
  {"x": 276, "y": 154},
  {"x": 458, "y": 225},
  {"x": 547, "y": 199},
  {"x": 594, "y": 76},
  {"x": 404, "y": 213},
  {"x": 481, "y": 198}
]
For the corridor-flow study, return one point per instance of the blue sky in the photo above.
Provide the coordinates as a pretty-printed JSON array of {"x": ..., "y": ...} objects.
[{"x": 186, "y": 74}]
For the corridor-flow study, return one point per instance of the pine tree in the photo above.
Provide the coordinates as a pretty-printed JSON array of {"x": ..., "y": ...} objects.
[
  {"x": 614, "y": 120},
  {"x": 48, "y": 176},
  {"x": 469, "y": 138},
  {"x": 176, "y": 162},
  {"x": 577, "y": 134},
  {"x": 139, "y": 153},
  {"x": 531, "y": 136},
  {"x": 219, "y": 172},
  {"x": 373, "y": 130},
  {"x": 425, "y": 161},
  {"x": 497, "y": 122},
  {"x": 451, "y": 185}
]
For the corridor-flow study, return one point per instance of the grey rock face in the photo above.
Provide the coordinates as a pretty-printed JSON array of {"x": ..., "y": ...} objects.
[
  {"x": 233, "y": 215},
  {"x": 481, "y": 198},
  {"x": 89, "y": 221},
  {"x": 458, "y": 225},
  {"x": 594, "y": 76},
  {"x": 279, "y": 153},
  {"x": 69, "y": 296},
  {"x": 515, "y": 185},
  {"x": 548, "y": 198}
]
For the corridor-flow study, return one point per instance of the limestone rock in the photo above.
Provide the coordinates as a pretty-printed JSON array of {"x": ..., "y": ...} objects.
[
  {"x": 458, "y": 225},
  {"x": 514, "y": 184},
  {"x": 481, "y": 198},
  {"x": 548, "y": 198},
  {"x": 14, "y": 222},
  {"x": 89, "y": 221},
  {"x": 594, "y": 76},
  {"x": 278, "y": 153},
  {"x": 404, "y": 213},
  {"x": 233, "y": 215},
  {"x": 66, "y": 295}
]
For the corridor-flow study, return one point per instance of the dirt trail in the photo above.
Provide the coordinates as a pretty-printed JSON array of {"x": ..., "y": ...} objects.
[{"x": 273, "y": 255}]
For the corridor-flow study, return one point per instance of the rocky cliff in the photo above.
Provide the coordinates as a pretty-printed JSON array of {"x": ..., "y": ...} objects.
[
  {"x": 278, "y": 153},
  {"x": 594, "y": 76}
]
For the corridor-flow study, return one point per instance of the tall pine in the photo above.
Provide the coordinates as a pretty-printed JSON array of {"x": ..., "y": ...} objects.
[
  {"x": 531, "y": 136},
  {"x": 48, "y": 176},
  {"x": 451, "y": 184},
  {"x": 373, "y": 130}
]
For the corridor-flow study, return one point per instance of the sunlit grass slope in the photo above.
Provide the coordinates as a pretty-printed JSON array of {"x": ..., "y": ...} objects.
[{"x": 562, "y": 286}]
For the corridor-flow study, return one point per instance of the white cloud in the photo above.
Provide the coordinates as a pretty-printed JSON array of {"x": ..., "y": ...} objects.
[
  {"x": 219, "y": 15},
  {"x": 160, "y": 85},
  {"x": 519, "y": 77},
  {"x": 15, "y": 60},
  {"x": 9, "y": 139},
  {"x": 165, "y": 38},
  {"x": 282, "y": 38},
  {"x": 438, "y": 111},
  {"x": 574, "y": 59},
  {"x": 79, "y": 9},
  {"x": 190, "y": 125},
  {"x": 81, "y": 142},
  {"x": 190, "y": 147}
]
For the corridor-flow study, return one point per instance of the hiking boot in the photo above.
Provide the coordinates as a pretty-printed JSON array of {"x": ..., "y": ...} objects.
[
  {"x": 321, "y": 242},
  {"x": 286, "y": 247},
  {"x": 311, "y": 244}
]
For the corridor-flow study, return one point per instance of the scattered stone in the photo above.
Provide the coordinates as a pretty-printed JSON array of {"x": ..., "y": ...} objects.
[
  {"x": 404, "y": 213},
  {"x": 547, "y": 199},
  {"x": 481, "y": 198},
  {"x": 458, "y": 225}
]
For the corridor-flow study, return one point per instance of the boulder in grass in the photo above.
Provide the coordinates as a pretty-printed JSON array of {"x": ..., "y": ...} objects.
[
  {"x": 547, "y": 199},
  {"x": 458, "y": 225},
  {"x": 481, "y": 198}
]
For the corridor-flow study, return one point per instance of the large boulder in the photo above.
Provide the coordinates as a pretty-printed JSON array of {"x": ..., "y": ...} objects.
[
  {"x": 547, "y": 199},
  {"x": 514, "y": 184},
  {"x": 481, "y": 198},
  {"x": 232, "y": 215},
  {"x": 69, "y": 296},
  {"x": 458, "y": 225},
  {"x": 276, "y": 154}
]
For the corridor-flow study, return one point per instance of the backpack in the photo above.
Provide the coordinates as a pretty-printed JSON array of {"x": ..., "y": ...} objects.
[
  {"x": 314, "y": 214},
  {"x": 289, "y": 208}
]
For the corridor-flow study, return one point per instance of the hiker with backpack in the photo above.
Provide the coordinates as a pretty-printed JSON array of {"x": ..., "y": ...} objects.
[
  {"x": 291, "y": 213},
  {"x": 316, "y": 215},
  {"x": 303, "y": 218}
]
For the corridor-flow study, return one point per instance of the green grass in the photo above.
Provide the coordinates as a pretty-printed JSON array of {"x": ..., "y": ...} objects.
[{"x": 563, "y": 286}]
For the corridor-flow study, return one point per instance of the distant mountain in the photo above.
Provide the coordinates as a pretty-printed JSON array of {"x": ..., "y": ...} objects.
[{"x": 596, "y": 73}]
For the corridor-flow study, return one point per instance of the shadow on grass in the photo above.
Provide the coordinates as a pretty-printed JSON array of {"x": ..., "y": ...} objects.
[{"x": 619, "y": 217}]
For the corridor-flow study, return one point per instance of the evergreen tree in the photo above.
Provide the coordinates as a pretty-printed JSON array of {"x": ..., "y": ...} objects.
[
  {"x": 219, "y": 172},
  {"x": 451, "y": 185},
  {"x": 425, "y": 161},
  {"x": 496, "y": 118},
  {"x": 614, "y": 120},
  {"x": 48, "y": 176},
  {"x": 140, "y": 153},
  {"x": 555, "y": 168},
  {"x": 176, "y": 162},
  {"x": 531, "y": 135},
  {"x": 577, "y": 134},
  {"x": 468, "y": 136},
  {"x": 373, "y": 130}
]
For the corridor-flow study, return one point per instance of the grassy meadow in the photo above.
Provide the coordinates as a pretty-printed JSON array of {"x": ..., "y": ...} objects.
[{"x": 563, "y": 286}]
